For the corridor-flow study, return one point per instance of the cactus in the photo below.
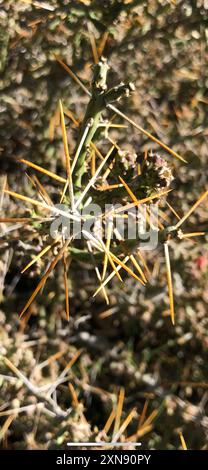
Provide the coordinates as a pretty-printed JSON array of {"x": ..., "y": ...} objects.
[{"x": 145, "y": 179}]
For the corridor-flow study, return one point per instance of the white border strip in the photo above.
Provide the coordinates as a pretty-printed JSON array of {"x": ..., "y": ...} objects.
[{"x": 103, "y": 444}]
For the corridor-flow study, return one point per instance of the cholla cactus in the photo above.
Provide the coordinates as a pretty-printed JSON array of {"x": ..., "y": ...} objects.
[{"x": 121, "y": 175}]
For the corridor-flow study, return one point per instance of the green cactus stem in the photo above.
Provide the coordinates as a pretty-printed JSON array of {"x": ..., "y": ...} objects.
[{"x": 100, "y": 98}]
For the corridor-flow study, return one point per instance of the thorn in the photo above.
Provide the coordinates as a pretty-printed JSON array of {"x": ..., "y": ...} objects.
[
  {"x": 119, "y": 411},
  {"x": 72, "y": 75},
  {"x": 173, "y": 210},
  {"x": 97, "y": 151},
  {"x": 192, "y": 234},
  {"x": 183, "y": 442},
  {"x": 143, "y": 414},
  {"x": 140, "y": 201},
  {"x": 151, "y": 418},
  {"x": 141, "y": 257},
  {"x": 102, "y": 44},
  {"x": 150, "y": 136},
  {"x": 4, "y": 220},
  {"x": 81, "y": 143},
  {"x": 131, "y": 256},
  {"x": 41, "y": 204},
  {"x": 93, "y": 162},
  {"x": 201, "y": 198},
  {"x": 40, "y": 255},
  {"x": 107, "y": 247},
  {"x": 109, "y": 257},
  {"x": 93, "y": 45},
  {"x": 67, "y": 156},
  {"x": 43, "y": 170},
  {"x": 108, "y": 313},
  {"x": 45, "y": 277},
  {"x": 109, "y": 422},
  {"x": 66, "y": 286},
  {"x": 129, "y": 191},
  {"x": 169, "y": 279},
  {"x": 72, "y": 362},
  {"x": 6, "y": 425},
  {"x": 126, "y": 268},
  {"x": 93, "y": 179},
  {"x": 41, "y": 190},
  {"x": 98, "y": 274},
  {"x": 145, "y": 159},
  {"x": 139, "y": 269},
  {"x": 70, "y": 115},
  {"x": 51, "y": 128},
  {"x": 110, "y": 277},
  {"x": 125, "y": 424}
]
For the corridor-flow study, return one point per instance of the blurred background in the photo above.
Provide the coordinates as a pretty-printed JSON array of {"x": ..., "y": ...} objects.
[{"x": 162, "y": 47}]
